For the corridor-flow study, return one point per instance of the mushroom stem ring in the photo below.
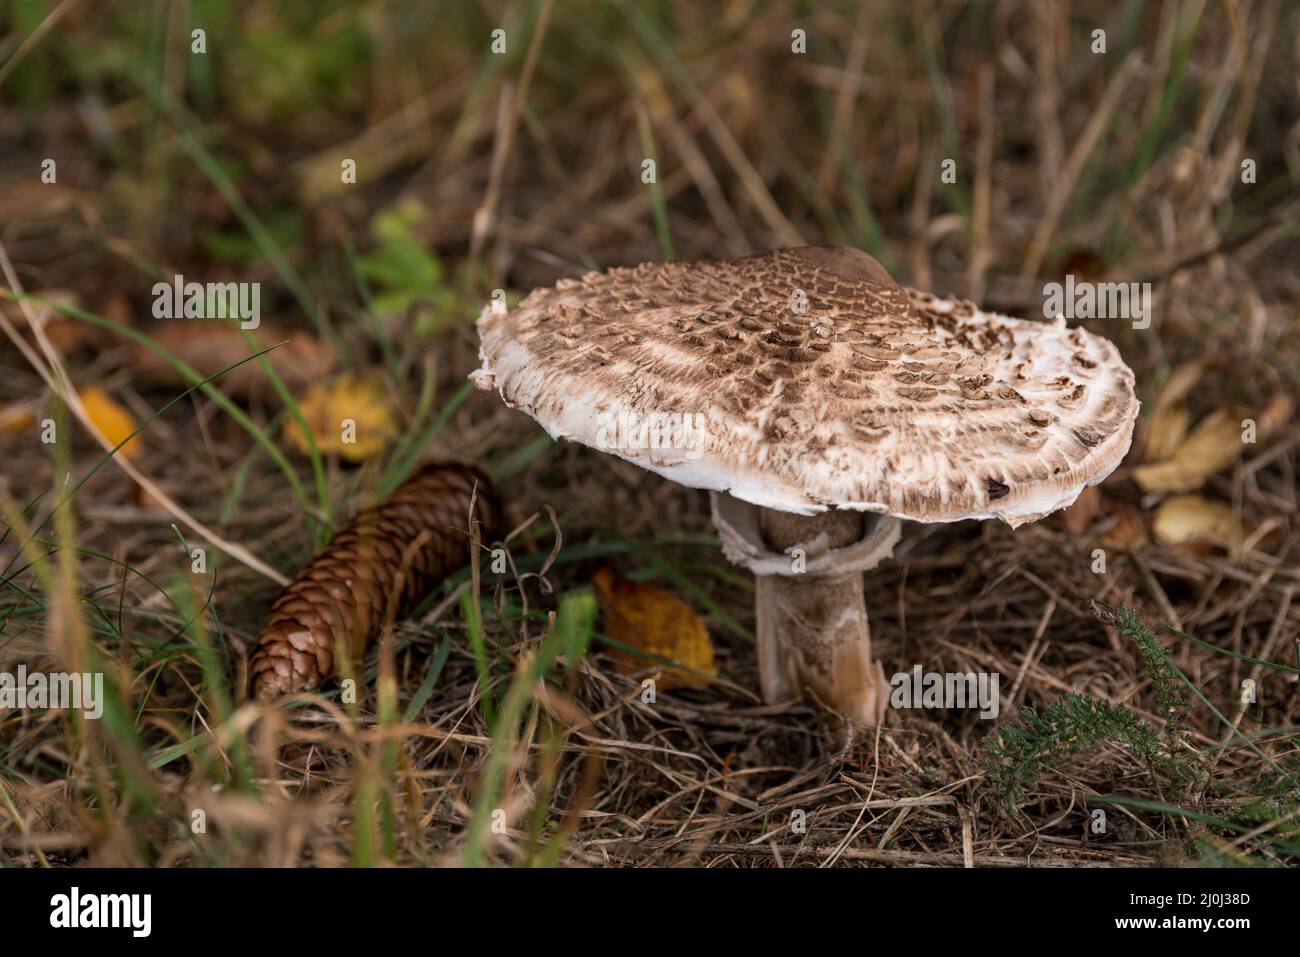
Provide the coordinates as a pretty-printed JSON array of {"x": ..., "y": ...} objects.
[{"x": 813, "y": 634}]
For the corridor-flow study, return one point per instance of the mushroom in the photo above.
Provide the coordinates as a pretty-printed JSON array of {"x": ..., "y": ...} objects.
[{"x": 820, "y": 402}]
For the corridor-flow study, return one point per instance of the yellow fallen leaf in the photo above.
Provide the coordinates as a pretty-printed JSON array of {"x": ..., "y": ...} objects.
[
  {"x": 1180, "y": 383},
  {"x": 1181, "y": 519},
  {"x": 1275, "y": 416},
  {"x": 1127, "y": 531},
  {"x": 655, "y": 621},
  {"x": 1169, "y": 417},
  {"x": 17, "y": 418},
  {"x": 351, "y": 416},
  {"x": 1166, "y": 432},
  {"x": 1214, "y": 444},
  {"x": 210, "y": 347},
  {"x": 115, "y": 422},
  {"x": 1078, "y": 517}
]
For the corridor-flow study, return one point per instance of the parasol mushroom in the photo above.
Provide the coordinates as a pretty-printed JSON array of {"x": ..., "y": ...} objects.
[{"x": 820, "y": 402}]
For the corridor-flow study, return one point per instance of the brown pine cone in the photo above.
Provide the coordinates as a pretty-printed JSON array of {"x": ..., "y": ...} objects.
[{"x": 350, "y": 590}]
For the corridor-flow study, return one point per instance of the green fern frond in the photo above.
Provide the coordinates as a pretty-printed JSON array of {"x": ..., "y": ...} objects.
[
  {"x": 1023, "y": 751},
  {"x": 1167, "y": 682},
  {"x": 1071, "y": 724}
]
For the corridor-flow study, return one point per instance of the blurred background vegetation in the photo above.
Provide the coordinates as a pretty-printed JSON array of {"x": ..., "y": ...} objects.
[{"x": 479, "y": 170}]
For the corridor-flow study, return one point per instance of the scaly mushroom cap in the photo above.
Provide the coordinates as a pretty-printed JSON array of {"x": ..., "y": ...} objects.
[{"x": 806, "y": 379}]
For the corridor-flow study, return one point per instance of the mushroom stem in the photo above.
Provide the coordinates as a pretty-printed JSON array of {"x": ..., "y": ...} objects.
[{"x": 814, "y": 640}]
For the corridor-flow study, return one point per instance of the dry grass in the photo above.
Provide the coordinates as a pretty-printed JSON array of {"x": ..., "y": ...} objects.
[{"x": 1124, "y": 166}]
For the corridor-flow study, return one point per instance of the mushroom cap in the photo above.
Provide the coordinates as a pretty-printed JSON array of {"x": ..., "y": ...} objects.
[{"x": 806, "y": 379}]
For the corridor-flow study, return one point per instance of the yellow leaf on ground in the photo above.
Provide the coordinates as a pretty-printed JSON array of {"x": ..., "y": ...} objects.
[
  {"x": 1170, "y": 418},
  {"x": 115, "y": 422},
  {"x": 210, "y": 347},
  {"x": 1275, "y": 415},
  {"x": 1127, "y": 531},
  {"x": 1166, "y": 432},
  {"x": 351, "y": 416},
  {"x": 1180, "y": 382},
  {"x": 17, "y": 418},
  {"x": 1214, "y": 444},
  {"x": 1190, "y": 518},
  {"x": 657, "y": 622},
  {"x": 1078, "y": 517}
]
